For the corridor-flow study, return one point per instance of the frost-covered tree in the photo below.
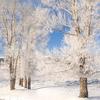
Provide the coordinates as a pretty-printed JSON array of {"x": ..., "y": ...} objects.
[
  {"x": 83, "y": 21},
  {"x": 9, "y": 30},
  {"x": 83, "y": 33},
  {"x": 34, "y": 30},
  {"x": 21, "y": 31}
]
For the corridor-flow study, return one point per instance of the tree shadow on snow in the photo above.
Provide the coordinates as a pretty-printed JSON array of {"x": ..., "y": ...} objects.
[
  {"x": 94, "y": 98},
  {"x": 44, "y": 87}
]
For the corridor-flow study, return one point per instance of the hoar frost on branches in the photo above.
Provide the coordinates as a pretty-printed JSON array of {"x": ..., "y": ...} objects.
[
  {"x": 21, "y": 30},
  {"x": 84, "y": 25}
]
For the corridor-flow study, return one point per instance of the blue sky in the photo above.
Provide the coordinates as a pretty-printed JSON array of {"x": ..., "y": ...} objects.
[
  {"x": 1, "y": 47},
  {"x": 56, "y": 38}
]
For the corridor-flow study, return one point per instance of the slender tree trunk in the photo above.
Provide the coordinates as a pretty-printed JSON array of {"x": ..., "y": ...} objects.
[
  {"x": 25, "y": 82},
  {"x": 21, "y": 82},
  {"x": 83, "y": 88},
  {"x": 29, "y": 82},
  {"x": 12, "y": 76},
  {"x": 12, "y": 83}
]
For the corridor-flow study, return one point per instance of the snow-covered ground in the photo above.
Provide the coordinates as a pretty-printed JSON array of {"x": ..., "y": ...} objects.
[
  {"x": 49, "y": 93},
  {"x": 47, "y": 89}
]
